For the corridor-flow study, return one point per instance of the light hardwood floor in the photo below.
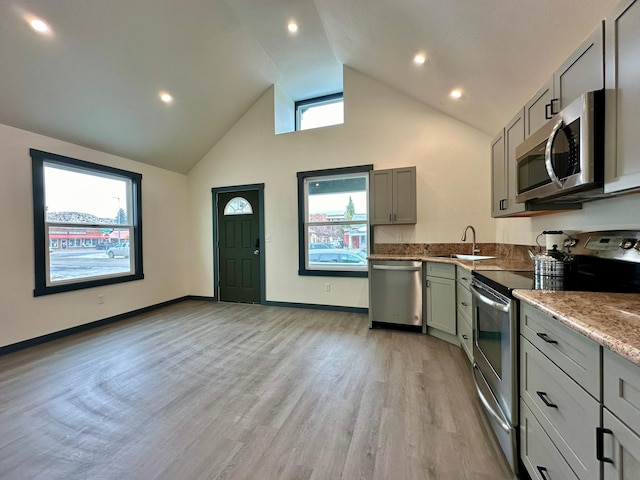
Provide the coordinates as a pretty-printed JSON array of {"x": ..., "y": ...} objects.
[{"x": 202, "y": 390}]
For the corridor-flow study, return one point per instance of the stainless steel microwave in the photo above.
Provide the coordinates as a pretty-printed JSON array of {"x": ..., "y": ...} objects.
[{"x": 564, "y": 159}]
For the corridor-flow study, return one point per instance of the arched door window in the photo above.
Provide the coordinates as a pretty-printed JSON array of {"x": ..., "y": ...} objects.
[{"x": 238, "y": 206}]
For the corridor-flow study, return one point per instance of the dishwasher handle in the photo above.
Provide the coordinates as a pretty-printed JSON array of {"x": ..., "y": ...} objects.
[{"x": 397, "y": 268}]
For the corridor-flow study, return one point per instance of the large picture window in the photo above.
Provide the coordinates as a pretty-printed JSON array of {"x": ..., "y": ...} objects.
[
  {"x": 333, "y": 221},
  {"x": 87, "y": 224}
]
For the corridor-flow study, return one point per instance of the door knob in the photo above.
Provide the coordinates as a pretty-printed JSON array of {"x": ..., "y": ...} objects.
[{"x": 256, "y": 252}]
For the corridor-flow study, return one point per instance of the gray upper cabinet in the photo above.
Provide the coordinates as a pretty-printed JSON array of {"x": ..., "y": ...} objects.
[
  {"x": 503, "y": 164},
  {"x": 622, "y": 167},
  {"x": 537, "y": 109},
  {"x": 392, "y": 197},
  {"x": 582, "y": 72}
]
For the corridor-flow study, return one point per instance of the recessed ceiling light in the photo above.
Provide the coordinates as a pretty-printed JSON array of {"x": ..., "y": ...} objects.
[
  {"x": 455, "y": 93},
  {"x": 419, "y": 59},
  {"x": 38, "y": 25},
  {"x": 166, "y": 97},
  {"x": 292, "y": 27}
]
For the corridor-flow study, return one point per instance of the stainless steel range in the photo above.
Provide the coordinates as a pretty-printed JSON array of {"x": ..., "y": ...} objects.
[{"x": 602, "y": 261}]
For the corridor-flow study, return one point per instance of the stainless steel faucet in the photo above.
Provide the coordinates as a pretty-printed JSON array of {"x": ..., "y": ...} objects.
[{"x": 474, "y": 250}]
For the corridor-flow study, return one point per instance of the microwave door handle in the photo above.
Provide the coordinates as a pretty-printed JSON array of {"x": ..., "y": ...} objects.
[{"x": 547, "y": 154}]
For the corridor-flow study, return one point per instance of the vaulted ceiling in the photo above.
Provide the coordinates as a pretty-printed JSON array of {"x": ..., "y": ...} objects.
[{"x": 94, "y": 79}]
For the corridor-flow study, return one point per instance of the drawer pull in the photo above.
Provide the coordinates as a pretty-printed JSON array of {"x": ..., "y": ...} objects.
[
  {"x": 465, "y": 278},
  {"x": 464, "y": 304},
  {"x": 543, "y": 397},
  {"x": 545, "y": 337},
  {"x": 542, "y": 471},
  {"x": 600, "y": 444},
  {"x": 465, "y": 337}
]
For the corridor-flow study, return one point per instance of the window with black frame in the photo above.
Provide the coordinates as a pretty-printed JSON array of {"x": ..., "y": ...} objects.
[
  {"x": 319, "y": 112},
  {"x": 333, "y": 221},
  {"x": 87, "y": 224}
]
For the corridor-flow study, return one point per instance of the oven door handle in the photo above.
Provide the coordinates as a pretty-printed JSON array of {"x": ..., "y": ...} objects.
[
  {"x": 499, "y": 417},
  {"x": 493, "y": 304}
]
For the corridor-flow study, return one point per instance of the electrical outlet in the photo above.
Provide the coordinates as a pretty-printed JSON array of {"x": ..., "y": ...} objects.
[
  {"x": 398, "y": 237},
  {"x": 100, "y": 299},
  {"x": 327, "y": 287}
]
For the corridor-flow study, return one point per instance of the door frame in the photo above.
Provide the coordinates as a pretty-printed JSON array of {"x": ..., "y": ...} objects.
[{"x": 259, "y": 187}]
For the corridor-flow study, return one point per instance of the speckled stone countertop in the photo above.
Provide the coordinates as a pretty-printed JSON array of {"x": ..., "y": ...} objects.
[
  {"x": 488, "y": 264},
  {"x": 610, "y": 319}
]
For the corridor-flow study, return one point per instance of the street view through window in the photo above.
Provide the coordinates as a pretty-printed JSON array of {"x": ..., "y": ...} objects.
[
  {"x": 87, "y": 224},
  {"x": 336, "y": 222}
]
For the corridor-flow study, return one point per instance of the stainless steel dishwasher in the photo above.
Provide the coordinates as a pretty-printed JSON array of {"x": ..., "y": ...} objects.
[{"x": 395, "y": 292}]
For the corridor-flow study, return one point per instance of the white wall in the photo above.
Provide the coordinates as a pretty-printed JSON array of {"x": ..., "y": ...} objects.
[
  {"x": 165, "y": 244},
  {"x": 382, "y": 127},
  {"x": 616, "y": 213}
]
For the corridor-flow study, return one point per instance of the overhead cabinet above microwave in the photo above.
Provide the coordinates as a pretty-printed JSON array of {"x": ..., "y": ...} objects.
[
  {"x": 582, "y": 72},
  {"x": 392, "y": 196}
]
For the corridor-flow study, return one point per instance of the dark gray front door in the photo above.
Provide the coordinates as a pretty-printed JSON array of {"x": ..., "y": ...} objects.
[{"x": 239, "y": 246}]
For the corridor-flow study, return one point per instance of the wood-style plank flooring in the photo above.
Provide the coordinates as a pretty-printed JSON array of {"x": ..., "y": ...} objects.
[{"x": 202, "y": 390}]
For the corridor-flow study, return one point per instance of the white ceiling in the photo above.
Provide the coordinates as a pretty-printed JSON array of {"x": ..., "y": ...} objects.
[{"x": 95, "y": 80}]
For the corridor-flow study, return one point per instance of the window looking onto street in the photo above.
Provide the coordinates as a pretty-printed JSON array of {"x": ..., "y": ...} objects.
[
  {"x": 334, "y": 221},
  {"x": 87, "y": 227}
]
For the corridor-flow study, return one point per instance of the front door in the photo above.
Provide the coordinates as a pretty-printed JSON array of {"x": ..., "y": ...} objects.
[{"x": 239, "y": 246}]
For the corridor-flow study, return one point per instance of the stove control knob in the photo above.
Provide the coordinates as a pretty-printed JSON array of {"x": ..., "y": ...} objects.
[
  {"x": 627, "y": 243},
  {"x": 637, "y": 247}
]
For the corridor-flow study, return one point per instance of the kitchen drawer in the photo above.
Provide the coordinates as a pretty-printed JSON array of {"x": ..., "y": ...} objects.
[
  {"x": 538, "y": 453},
  {"x": 463, "y": 276},
  {"x": 575, "y": 354},
  {"x": 567, "y": 413},
  {"x": 621, "y": 380},
  {"x": 463, "y": 299},
  {"x": 465, "y": 335},
  {"x": 442, "y": 270}
]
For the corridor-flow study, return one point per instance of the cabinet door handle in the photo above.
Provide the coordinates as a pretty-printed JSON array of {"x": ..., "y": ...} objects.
[
  {"x": 545, "y": 337},
  {"x": 554, "y": 111},
  {"x": 465, "y": 278},
  {"x": 464, "y": 304},
  {"x": 543, "y": 397},
  {"x": 428, "y": 284},
  {"x": 600, "y": 431},
  {"x": 547, "y": 111},
  {"x": 465, "y": 337},
  {"x": 542, "y": 471},
  {"x": 395, "y": 217},
  {"x": 390, "y": 218}
]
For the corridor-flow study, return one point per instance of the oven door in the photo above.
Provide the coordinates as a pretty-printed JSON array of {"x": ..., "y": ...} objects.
[
  {"x": 495, "y": 348},
  {"x": 495, "y": 365}
]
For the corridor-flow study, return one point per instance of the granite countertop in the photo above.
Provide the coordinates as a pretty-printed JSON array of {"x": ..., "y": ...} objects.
[
  {"x": 499, "y": 263},
  {"x": 610, "y": 319}
]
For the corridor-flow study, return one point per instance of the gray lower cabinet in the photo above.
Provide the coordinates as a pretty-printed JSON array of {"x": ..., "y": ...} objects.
[
  {"x": 620, "y": 437},
  {"x": 464, "y": 311},
  {"x": 440, "y": 300},
  {"x": 392, "y": 197},
  {"x": 622, "y": 101},
  {"x": 560, "y": 387},
  {"x": 538, "y": 453}
]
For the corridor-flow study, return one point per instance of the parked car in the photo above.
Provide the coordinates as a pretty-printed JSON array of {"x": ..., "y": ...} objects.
[
  {"x": 336, "y": 257},
  {"x": 323, "y": 246},
  {"x": 119, "y": 250}
]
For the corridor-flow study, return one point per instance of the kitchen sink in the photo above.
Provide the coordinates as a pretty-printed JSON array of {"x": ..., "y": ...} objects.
[{"x": 471, "y": 257}]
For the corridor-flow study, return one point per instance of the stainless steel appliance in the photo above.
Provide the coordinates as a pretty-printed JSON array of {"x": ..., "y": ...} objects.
[
  {"x": 603, "y": 261},
  {"x": 395, "y": 293},
  {"x": 563, "y": 161}
]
